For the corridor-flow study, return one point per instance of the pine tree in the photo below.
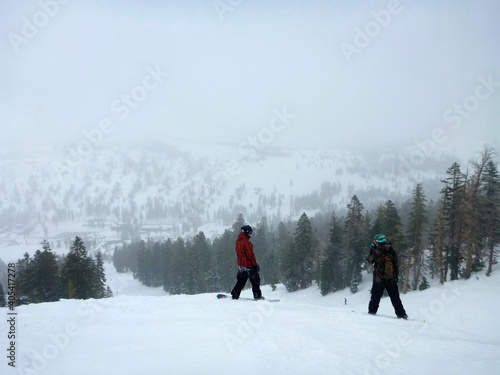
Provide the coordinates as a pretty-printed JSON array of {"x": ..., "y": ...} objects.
[
  {"x": 213, "y": 278},
  {"x": 166, "y": 274},
  {"x": 474, "y": 219},
  {"x": 290, "y": 263},
  {"x": 453, "y": 204},
  {"x": 304, "y": 243},
  {"x": 416, "y": 233},
  {"x": 200, "y": 263},
  {"x": 354, "y": 242},
  {"x": 190, "y": 277},
  {"x": 392, "y": 223},
  {"x": 332, "y": 274},
  {"x": 77, "y": 276},
  {"x": 99, "y": 277},
  {"x": 491, "y": 210},
  {"x": 179, "y": 268},
  {"x": 119, "y": 260},
  {"x": 291, "y": 266},
  {"x": 45, "y": 275},
  {"x": 424, "y": 284},
  {"x": 25, "y": 279},
  {"x": 158, "y": 254},
  {"x": 240, "y": 221},
  {"x": 283, "y": 246},
  {"x": 439, "y": 243},
  {"x": 260, "y": 240},
  {"x": 108, "y": 293},
  {"x": 378, "y": 224}
]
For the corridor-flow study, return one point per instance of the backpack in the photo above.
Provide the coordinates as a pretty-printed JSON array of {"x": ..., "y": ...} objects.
[{"x": 386, "y": 266}]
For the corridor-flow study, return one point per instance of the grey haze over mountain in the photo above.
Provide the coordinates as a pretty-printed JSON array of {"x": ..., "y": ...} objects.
[{"x": 293, "y": 74}]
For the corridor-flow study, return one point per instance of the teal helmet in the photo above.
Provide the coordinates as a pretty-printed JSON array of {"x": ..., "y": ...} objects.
[{"x": 380, "y": 238}]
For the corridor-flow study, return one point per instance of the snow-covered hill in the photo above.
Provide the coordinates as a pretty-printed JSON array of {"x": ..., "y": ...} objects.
[
  {"x": 156, "y": 189},
  {"x": 144, "y": 331}
]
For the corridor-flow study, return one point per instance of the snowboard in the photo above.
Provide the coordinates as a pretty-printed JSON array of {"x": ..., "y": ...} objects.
[
  {"x": 222, "y": 296},
  {"x": 389, "y": 317}
]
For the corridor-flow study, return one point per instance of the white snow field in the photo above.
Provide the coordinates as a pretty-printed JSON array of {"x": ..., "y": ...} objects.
[{"x": 145, "y": 331}]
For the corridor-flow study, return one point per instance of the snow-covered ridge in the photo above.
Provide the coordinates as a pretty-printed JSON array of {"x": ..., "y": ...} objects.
[{"x": 160, "y": 189}]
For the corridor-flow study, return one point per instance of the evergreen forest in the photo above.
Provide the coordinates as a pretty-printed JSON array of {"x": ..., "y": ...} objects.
[
  {"x": 47, "y": 277},
  {"x": 444, "y": 240}
]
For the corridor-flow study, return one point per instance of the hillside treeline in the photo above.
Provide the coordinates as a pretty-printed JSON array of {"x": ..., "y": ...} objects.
[
  {"x": 447, "y": 240},
  {"x": 47, "y": 277}
]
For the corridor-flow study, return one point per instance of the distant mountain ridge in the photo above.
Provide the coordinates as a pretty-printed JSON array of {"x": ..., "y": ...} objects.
[{"x": 184, "y": 186}]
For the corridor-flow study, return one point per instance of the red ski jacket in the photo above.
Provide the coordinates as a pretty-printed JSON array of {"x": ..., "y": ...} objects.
[{"x": 244, "y": 251}]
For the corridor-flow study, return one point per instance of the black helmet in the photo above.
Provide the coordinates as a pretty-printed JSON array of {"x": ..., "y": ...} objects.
[{"x": 247, "y": 229}]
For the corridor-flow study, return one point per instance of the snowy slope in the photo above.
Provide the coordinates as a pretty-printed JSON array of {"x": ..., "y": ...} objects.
[
  {"x": 144, "y": 331},
  {"x": 184, "y": 188}
]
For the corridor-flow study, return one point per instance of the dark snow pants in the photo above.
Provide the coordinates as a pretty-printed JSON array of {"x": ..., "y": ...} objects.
[
  {"x": 241, "y": 279},
  {"x": 392, "y": 289}
]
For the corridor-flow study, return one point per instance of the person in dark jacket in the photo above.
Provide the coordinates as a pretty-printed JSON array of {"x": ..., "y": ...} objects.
[
  {"x": 248, "y": 268},
  {"x": 385, "y": 275}
]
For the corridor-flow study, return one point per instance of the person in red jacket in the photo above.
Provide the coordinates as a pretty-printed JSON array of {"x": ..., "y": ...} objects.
[{"x": 248, "y": 268}]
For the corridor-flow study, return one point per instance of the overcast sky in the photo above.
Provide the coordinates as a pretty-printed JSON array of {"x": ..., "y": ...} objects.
[{"x": 338, "y": 73}]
